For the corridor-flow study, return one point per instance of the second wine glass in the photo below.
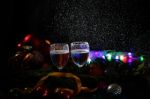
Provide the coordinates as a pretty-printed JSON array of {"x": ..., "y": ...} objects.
[{"x": 80, "y": 53}]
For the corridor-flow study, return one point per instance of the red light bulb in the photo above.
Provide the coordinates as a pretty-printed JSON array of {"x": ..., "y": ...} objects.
[{"x": 27, "y": 38}]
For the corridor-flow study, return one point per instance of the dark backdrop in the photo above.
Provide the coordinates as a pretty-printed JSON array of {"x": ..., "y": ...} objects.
[{"x": 106, "y": 24}]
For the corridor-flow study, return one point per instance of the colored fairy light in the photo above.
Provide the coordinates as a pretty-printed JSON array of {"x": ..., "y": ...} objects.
[
  {"x": 125, "y": 57},
  {"x": 109, "y": 57},
  {"x": 100, "y": 54},
  {"x": 130, "y": 60},
  {"x": 103, "y": 57},
  {"x": 96, "y": 54},
  {"x": 91, "y": 55},
  {"x": 129, "y": 54},
  {"x": 27, "y": 47},
  {"x": 18, "y": 45},
  {"x": 121, "y": 57},
  {"x": 125, "y": 60},
  {"x": 27, "y": 38},
  {"x": 141, "y": 58},
  {"x": 117, "y": 57}
]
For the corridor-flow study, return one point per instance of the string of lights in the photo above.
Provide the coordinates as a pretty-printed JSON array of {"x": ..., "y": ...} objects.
[{"x": 125, "y": 57}]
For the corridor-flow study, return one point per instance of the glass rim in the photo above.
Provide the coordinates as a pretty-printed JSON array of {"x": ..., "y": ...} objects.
[
  {"x": 59, "y": 44},
  {"x": 80, "y": 42}
]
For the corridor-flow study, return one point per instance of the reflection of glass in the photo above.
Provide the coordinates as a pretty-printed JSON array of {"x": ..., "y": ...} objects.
[
  {"x": 59, "y": 53},
  {"x": 79, "y": 53}
]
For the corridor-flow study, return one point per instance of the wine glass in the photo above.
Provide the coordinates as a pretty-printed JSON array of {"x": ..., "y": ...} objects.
[
  {"x": 80, "y": 53},
  {"x": 59, "y": 53}
]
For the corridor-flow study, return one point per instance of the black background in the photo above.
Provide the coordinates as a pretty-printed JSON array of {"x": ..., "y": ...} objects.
[
  {"x": 121, "y": 25},
  {"x": 105, "y": 24}
]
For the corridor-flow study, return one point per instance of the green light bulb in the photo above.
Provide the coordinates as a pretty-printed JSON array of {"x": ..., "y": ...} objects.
[
  {"x": 141, "y": 58},
  {"x": 89, "y": 61},
  {"x": 109, "y": 57},
  {"x": 121, "y": 57}
]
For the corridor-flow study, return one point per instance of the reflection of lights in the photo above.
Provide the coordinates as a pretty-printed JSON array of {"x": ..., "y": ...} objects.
[
  {"x": 48, "y": 42},
  {"x": 89, "y": 60},
  {"x": 28, "y": 57},
  {"x": 114, "y": 89},
  {"x": 17, "y": 54},
  {"x": 45, "y": 93}
]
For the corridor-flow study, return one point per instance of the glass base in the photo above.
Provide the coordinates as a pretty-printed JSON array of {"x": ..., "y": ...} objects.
[{"x": 60, "y": 68}]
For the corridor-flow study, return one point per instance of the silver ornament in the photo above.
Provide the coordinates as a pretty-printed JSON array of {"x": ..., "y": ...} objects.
[{"x": 114, "y": 89}]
